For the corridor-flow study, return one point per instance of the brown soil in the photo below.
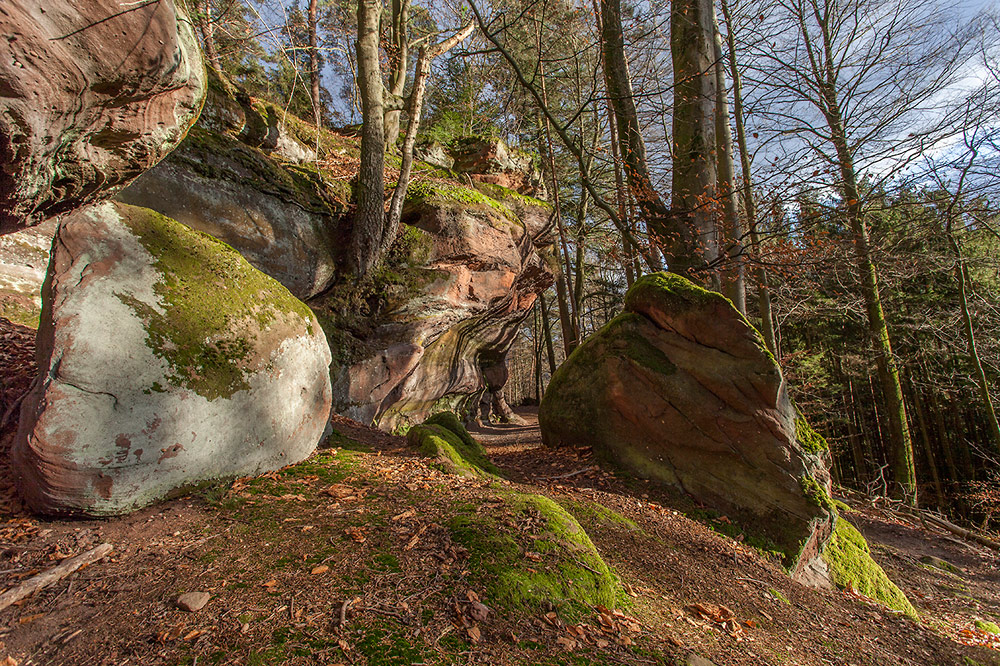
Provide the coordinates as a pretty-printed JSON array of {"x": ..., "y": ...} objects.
[{"x": 361, "y": 532}]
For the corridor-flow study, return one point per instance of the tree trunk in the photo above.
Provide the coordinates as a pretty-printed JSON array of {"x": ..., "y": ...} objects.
[
  {"x": 925, "y": 438},
  {"x": 314, "y": 70},
  {"x": 679, "y": 244},
  {"x": 970, "y": 340},
  {"x": 369, "y": 219},
  {"x": 399, "y": 63},
  {"x": 206, "y": 26},
  {"x": 415, "y": 108},
  {"x": 548, "y": 333},
  {"x": 693, "y": 198},
  {"x": 733, "y": 284}
]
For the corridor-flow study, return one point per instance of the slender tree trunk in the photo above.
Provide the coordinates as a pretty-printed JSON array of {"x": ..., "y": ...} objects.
[
  {"x": 563, "y": 280},
  {"x": 678, "y": 241},
  {"x": 414, "y": 109},
  {"x": 925, "y": 439},
  {"x": 857, "y": 442},
  {"x": 694, "y": 178},
  {"x": 550, "y": 348},
  {"x": 733, "y": 283},
  {"x": 749, "y": 205},
  {"x": 961, "y": 276},
  {"x": 399, "y": 64},
  {"x": 904, "y": 473},
  {"x": 947, "y": 448},
  {"x": 206, "y": 26},
  {"x": 314, "y": 70},
  {"x": 369, "y": 219}
]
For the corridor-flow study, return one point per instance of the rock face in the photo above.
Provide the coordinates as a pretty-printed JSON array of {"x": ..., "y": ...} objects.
[
  {"x": 463, "y": 274},
  {"x": 24, "y": 258},
  {"x": 165, "y": 360},
  {"x": 91, "y": 94},
  {"x": 681, "y": 389},
  {"x": 485, "y": 263},
  {"x": 269, "y": 211}
]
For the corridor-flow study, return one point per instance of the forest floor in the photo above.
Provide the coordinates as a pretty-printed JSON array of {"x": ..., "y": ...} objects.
[{"x": 353, "y": 557}]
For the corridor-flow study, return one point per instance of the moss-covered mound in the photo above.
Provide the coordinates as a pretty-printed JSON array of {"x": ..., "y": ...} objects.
[
  {"x": 444, "y": 438},
  {"x": 548, "y": 559},
  {"x": 851, "y": 566}
]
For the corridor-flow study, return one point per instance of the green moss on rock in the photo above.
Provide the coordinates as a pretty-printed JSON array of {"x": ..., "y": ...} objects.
[
  {"x": 817, "y": 494},
  {"x": 211, "y": 304},
  {"x": 849, "y": 559},
  {"x": 809, "y": 439},
  {"x": 670, "y": 292},
  {"x": 556, "y": 564},
  {"x": 988, "y": 627},
  {"x": 452, "y": 193},
  {"x": 447, "y": 441}
]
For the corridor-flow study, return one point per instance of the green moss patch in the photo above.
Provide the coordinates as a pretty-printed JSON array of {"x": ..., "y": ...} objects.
[
  {"x": 451, "y": 193},
  {"x": 816, "y": 494},
  {"x": 809, "y": 439},
  {"x": 599, "y": 515},
  {"x": 505, "y": 194},
  {"x": 850, "y": 562},
  {"x": 443, "y": 438},
  {"x": 988, "y": 627},
  {"x": 669, "y": 292},
  {"x": 212, "y": 303},
  {"x": 549, "y": 559}
]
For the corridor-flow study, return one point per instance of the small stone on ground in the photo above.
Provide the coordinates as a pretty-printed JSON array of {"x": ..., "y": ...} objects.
[{"x": 193, "y": 601}]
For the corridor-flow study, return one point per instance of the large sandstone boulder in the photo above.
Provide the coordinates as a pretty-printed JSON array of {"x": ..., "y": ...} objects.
[
  {"x": 91, "y": 94},
  {"x": 681, "y": 389},
  {"x": 475, "y": 268},
  {"x": 165, "y": 359}
]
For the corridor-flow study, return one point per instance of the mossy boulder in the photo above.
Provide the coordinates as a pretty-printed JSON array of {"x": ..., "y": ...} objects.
[
  {"x": 680, "y": 389},
  {"x": 444, "y": 438},
  {"x": 850, "y": 563},
  {"x": 165, "y": 360},
  {"x": 550, "y": 561},
  {"x": 92, "y": 95}
]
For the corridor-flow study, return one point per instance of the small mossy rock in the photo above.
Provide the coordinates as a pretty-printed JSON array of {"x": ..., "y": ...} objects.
[
  {"x": 165, "y": 360},
  {"x": 943, "y": 565},
  {"x": 987, "y": 627},
  {"x": 450, "y": 421},
  {"x": 444, "y": 438},
  {"x": 850, "y": 563},
  {"x": 92, "y": 96},
  {"x": 557, "y": 566},
  {"x": 680, "y": 389}
]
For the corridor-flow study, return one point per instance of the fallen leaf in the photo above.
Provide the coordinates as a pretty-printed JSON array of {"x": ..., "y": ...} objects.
[
  {"x": 319, "y": 570},
  {"x": 269, "y": 584},
  {"x": 474, "y": 634},
  {"x": 566, "y": 642}
]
